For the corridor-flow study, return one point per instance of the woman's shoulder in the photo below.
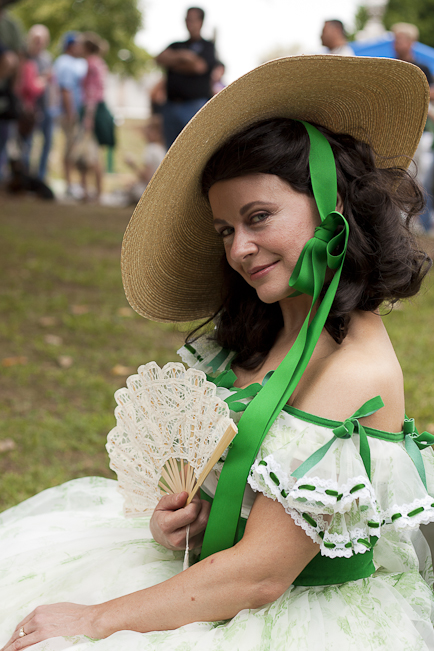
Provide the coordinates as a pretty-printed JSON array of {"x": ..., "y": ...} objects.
[{"x": 365, "y": 365}]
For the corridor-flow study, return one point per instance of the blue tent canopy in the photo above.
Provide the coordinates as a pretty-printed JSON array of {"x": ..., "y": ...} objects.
[{"x": 384, "y": 48}]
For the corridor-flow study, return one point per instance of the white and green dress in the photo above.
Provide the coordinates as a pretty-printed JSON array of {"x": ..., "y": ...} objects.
[{"x": 369, "y": 588}]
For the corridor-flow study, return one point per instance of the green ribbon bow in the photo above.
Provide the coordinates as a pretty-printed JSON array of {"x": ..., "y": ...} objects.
[
  {"x": 345, "y": 431},
  {"x": 326, "y": 250}
]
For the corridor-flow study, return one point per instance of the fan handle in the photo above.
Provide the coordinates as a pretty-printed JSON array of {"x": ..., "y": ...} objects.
[{"x": 224, "y": 442}]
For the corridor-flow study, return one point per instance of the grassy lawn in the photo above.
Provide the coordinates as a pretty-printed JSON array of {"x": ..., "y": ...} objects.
[{"x": 68, "y": 340}]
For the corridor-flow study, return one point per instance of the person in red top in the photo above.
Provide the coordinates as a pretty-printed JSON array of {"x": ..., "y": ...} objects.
[{"x": 96, "y": 117}]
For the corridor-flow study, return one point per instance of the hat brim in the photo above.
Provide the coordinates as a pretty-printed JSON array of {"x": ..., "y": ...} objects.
[{"x": 171, "y": 254}]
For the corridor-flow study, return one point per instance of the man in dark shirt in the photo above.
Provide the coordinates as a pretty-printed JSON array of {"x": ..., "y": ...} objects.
[{"x": 188, "y": 66}]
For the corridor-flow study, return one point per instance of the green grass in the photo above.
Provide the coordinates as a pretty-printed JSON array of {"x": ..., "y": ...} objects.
[
  {"x": 62, "y": 262},
  {"x": 411, "y": 331}
]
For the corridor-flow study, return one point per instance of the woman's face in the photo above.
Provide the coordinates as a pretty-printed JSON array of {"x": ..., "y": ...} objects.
[{"x": 264, "y": 224}]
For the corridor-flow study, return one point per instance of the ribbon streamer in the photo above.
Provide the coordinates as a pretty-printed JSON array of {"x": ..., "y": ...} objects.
[{"x": 326, "y": 250}]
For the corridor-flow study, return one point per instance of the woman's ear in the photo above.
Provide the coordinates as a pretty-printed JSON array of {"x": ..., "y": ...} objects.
[{"x": 340, "y": 204}]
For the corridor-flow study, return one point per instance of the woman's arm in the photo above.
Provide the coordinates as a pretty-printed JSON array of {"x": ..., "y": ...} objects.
[{"x": 255, "y": 572}]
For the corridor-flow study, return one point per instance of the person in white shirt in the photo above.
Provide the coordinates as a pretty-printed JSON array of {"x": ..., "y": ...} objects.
[{"x": 333, "y": 37}]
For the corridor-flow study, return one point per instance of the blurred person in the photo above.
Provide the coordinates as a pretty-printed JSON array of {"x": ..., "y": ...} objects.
[
  {"x": 11, "y": 47},
  {"x": 217, "y": 73},
  {"x": 406, "y": 35},
  {"x": 158, "y": 96},
  {"x": 96, "y": 118},
  {"x": 8, "y": 62},
  {"x": 333, "y": 37},
  {"x": 38, "y": 39},
  {"x": 153, "y": 154},
  {"x": 30, "y": 88},
  {"x": 188, "y": 65},
  {"x": 70, "y": 68}
]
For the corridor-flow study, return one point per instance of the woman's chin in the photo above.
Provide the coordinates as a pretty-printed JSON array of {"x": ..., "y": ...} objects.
[{"x": 270, "y": 297}]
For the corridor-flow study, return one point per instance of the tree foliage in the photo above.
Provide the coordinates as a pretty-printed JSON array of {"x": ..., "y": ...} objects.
[
  {"x": 117, "y": 21},
  {"x": 417, "y": 12},
  {"x": 360, "y": 20}
]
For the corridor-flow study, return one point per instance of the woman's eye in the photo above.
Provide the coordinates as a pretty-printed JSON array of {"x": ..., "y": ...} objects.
[
  {"x": 259, "y": 217},
  {"x": 226, "y": 231}
]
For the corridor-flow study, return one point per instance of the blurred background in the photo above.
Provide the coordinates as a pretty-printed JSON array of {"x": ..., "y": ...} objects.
[{"x": 85, "y": 87}]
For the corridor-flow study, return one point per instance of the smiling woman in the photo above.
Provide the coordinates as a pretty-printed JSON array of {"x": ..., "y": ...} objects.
[
  {"x": 282, "y": 214},
  {"x": 263, "y": 238}
]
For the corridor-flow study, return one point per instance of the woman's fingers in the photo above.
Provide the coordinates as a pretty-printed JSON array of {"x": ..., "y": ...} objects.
[
  {"x": 197, "y": 527},
  {"x": 172, "y": 502},
  {"x": 171, "y": 518},
  {"x": 51, "y": 621},
  {"x": 199, "y": 524},
  {"x": 18, "y": 643}
]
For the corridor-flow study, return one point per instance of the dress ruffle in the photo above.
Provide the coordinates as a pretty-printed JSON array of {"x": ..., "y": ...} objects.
[{"x": 335, "y": 502}]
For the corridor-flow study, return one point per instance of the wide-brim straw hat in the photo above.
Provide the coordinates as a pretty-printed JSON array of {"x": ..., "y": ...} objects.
[{"x": 171, "y": 254}]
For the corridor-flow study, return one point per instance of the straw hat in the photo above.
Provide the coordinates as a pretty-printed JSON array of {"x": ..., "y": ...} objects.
[{"x": 171, "y": 253}]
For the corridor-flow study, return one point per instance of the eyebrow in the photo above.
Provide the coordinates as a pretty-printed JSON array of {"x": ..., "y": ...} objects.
[{"x": 245, "y": 209}]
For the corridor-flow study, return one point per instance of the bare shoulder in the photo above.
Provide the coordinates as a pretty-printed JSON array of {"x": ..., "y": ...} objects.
[{"x": 340, "y": 379}]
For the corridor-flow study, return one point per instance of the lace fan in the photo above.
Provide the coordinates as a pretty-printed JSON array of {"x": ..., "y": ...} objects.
[{"x": 171, "y": 430}]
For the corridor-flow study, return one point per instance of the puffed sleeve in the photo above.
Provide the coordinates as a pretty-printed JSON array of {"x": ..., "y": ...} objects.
[{"x": 336, "y": 496}]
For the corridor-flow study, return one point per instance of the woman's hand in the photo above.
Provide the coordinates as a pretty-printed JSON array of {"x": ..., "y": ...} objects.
[
  {"x": 53, "y": 621},
  {"x": 170, "y": 519}
]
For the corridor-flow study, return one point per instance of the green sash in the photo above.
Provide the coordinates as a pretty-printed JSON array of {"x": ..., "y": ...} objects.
[{"x": 326, "y": 250}]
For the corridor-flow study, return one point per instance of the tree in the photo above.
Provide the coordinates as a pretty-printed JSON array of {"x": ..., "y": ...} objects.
[
  {"x": 117, "y": 21},
  {"x": 360, "y": 20},
  {"x": 417, "y": 12}
]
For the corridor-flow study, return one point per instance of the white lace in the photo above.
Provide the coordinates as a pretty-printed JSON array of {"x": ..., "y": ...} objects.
[
  {"x": 329, "y": 506},
  {"x": 167, "y": 413}
]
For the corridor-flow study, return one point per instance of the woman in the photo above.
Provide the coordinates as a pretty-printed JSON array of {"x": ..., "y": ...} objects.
[
  {"x": 38, "y": 40},
  {"x": 310, "y": 222},
  {"x": 97, "y": 120}
]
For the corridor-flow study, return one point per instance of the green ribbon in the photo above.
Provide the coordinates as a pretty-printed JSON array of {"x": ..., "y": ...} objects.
[
  {"x": 225, "y": 379},
  {"x": 326, "y": 250},
  {"x": 218, "y": 359},
  {"x": 249, "y": 392},
  {"x": 414, "y": 443},
  {"x": 345, "y": 431}
]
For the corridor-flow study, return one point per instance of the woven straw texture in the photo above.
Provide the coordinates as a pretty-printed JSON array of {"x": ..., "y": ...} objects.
[{"x": 171, "y": 254}]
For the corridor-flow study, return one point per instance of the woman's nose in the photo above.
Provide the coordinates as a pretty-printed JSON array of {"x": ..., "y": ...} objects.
[{"x": 242, "y": 245}]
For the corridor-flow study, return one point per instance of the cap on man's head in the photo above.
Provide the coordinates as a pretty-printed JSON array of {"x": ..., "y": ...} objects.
[{"x": 68, "y": 39}]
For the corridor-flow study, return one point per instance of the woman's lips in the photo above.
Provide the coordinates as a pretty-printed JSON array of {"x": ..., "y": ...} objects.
[{"x": 258, "y": 272}]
